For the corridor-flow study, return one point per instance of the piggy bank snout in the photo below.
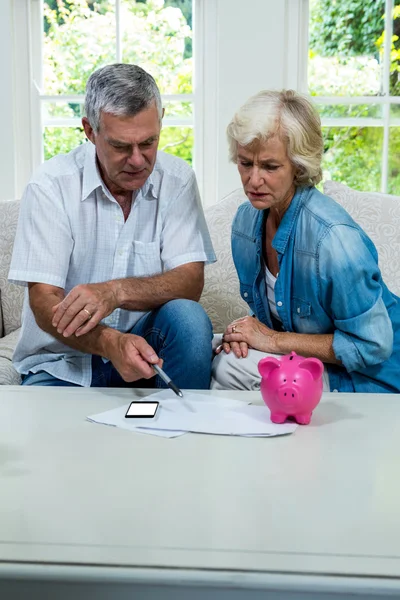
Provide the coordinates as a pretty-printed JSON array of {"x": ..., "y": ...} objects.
[{"x": 288, "y": 394}]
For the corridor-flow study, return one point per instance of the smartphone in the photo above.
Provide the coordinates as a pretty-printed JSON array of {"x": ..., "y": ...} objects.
[{"x": 140, "y": 409}]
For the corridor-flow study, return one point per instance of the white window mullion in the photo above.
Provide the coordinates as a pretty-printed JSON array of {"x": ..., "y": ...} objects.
[
  {"x": 296, "y": 33},
  {"x": 118, "y": 35},
  {"x": 206, "y": 123},
  {"x": 386, "y": 93},
  {"x": 35, "y": 20}
]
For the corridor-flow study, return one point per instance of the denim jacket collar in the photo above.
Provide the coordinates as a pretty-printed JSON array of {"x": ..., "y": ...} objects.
[{"x": 282, "y": 236}]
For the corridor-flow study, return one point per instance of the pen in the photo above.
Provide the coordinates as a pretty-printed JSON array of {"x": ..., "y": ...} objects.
[
  {"x": 173, "y": 387},
  {"x": 167, "y": 380}
]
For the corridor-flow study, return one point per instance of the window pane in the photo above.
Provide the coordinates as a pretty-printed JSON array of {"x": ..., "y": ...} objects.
[
  {"x": 178, "y": 109},
  {"x": 353, "y": 156},
  {"x": 178, "y": 141},
  {"x": 394, "y": 84},
  {"x": 394, "y": 161},
  {"x": 154, "y": 35},
  {"x": 80, "y": 36},
  {"x": 60, "y": 140},
  {"x": 345, "y": 47},
  {"x": 394, "y": 112},
  {"x": 61, "y": 110},
  {"x": 350, "y": 111}
]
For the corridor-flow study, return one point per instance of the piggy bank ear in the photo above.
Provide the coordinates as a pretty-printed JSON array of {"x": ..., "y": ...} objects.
[
  {"x": 268, "y": 364},
  {"x": 314, "y": 366}
]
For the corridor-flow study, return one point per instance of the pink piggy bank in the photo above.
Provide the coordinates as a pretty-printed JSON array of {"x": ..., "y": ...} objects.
[{"x": 291, "y": 386}]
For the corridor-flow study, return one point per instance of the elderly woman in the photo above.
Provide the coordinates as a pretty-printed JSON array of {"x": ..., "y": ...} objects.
[{"x": 307, "y": 271}]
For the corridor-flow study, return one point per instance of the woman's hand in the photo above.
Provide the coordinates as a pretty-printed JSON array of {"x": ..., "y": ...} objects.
[{"x": 245, "y": 333}]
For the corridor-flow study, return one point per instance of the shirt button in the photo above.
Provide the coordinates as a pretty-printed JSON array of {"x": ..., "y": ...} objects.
[
  {"x": 245, "y": 294},
  {"x": 121, "y": 252},
  {"x": 279, "y": 303},
  {"x": 298, "y": 310}
]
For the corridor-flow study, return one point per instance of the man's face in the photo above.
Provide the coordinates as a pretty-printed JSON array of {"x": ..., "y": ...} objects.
[{"x": 126, "y": 148}]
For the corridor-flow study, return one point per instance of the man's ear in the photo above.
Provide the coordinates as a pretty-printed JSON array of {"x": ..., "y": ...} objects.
[{"x": 88, "y": 129}]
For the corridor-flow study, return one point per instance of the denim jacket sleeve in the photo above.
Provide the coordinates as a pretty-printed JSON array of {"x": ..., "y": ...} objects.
[{"x": 351, "y": 292}]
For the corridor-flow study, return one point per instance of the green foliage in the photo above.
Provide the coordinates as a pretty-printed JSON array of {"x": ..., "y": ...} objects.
[
  {"x": 346, "y": 27},
  {"x": 178, "y": 141},
  {"x": 186, "y": 8},
  {"x": 60, "y": 140}
]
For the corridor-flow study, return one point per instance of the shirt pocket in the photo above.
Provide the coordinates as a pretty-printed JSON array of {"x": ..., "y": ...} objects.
[
  {"x": 246, "y": 291},
  {"x": 146, "y": 258},
  {"x": 301, "y": 313}
]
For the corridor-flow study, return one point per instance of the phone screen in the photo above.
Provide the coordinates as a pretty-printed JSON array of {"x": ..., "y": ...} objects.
[{"x": 139, "y": 410}]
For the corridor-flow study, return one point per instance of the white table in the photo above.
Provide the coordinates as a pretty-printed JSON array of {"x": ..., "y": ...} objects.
[{"x": 90, "y": 511}]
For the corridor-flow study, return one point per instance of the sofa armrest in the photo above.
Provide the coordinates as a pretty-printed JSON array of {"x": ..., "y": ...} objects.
[{"x": 8, "y": 375}]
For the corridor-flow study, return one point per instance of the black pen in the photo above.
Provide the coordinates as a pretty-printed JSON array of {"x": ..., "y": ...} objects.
[{"x": 167, "y": 380}]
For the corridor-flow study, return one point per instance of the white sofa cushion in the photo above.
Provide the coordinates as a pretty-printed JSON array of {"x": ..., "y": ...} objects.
[
  {"x": 379, "y": 216},
  {"x": 8, "y": 375},
  {"x": 221, "y": 296},
  {"x": 11, "y": 294}
]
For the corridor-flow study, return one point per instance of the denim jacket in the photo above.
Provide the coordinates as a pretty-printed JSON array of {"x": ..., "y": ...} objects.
[{"x": 329, "y": 282}]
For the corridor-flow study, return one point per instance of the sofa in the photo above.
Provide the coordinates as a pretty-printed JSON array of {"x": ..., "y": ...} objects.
[{"x": 378, "y": 214}]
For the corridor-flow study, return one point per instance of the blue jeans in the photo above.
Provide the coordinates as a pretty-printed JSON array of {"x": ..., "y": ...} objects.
[{"x": 179, "y": 331}]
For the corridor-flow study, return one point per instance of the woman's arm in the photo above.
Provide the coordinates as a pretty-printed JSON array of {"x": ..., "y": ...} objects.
[{"x": 257, "y": 335}]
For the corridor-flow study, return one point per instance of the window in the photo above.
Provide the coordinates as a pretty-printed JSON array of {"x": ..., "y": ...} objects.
[
  {"x": 75, "y": 37},
  {"x": 354, "y": 77}
]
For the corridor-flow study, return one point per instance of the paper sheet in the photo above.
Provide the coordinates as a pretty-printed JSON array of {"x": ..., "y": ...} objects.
[{"x": 211, "y": 414}]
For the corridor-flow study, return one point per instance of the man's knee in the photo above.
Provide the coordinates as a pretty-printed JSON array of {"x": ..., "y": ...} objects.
[{"x": 189, "y": 318}]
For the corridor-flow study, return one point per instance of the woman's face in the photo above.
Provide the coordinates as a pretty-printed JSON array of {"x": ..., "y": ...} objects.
[{"x": 267, "y": 174}]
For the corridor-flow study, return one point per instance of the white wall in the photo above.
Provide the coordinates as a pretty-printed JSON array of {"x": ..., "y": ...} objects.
[
  {"x": 251, "y": 57},
  {"x": 245, "y": 46}
]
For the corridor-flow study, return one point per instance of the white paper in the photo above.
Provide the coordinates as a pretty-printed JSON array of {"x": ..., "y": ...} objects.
[{"x": 201, "y": 413}]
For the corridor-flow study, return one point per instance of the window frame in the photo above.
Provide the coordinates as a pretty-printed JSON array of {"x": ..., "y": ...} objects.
[{"x": 28, "y": 19}]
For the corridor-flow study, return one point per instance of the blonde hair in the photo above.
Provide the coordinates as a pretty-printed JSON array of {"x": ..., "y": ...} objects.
[{"x": 290, "y": 116}]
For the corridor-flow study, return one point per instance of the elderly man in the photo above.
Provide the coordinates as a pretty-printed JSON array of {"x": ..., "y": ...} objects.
[{"x": 111, "y": 243}]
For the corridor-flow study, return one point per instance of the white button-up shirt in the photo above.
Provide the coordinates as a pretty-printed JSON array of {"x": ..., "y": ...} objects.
[{"x": 71, "y": 230}]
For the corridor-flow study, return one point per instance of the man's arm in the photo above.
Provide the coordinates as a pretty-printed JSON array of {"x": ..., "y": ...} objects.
[
  {"x": 134, "y": 293},
  {"x": 130, "y": 354}
]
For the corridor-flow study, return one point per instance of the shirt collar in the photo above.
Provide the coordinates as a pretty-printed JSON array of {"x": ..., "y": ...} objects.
[
  {"x": 287, "y": 224},
  {"x": 151, "y": 189},
  {"x": 92, "y": 178}
]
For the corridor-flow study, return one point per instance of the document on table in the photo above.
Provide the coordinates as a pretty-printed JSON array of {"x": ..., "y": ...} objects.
[{"x": 201, "y": 413}]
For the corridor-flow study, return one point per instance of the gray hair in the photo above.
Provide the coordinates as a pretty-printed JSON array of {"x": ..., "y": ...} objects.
[
  {"x": 290, "y": 116},
  {"x": 122, "y": 90}
]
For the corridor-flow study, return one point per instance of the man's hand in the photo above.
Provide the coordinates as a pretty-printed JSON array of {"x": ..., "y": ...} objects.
[
  {"x": 240, "y": 349},
  {"x": 84, "y": 307},
  {"x": 131, "y": 355},
  {"x": 245, "y": 333}
]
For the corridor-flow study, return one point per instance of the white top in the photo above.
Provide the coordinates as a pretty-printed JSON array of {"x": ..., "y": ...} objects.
[
  {"x": 270, "y": 281},
  {"x": 71, "y": 230}
]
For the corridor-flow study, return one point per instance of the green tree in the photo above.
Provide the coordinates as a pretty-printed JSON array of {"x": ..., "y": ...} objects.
[{"x": 346, "y": 27}]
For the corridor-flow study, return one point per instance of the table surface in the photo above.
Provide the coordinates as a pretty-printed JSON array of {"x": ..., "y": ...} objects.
[{"x": 323, "y": 500}]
